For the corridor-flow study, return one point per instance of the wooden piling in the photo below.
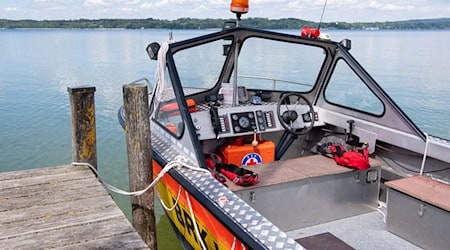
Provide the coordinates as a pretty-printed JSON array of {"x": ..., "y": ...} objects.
[
  {"x": 82, "y": 110},
  {"x": 137, "y": 128}
]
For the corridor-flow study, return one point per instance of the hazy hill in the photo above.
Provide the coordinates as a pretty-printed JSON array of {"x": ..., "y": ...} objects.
[{"x": 193, "y": 23}]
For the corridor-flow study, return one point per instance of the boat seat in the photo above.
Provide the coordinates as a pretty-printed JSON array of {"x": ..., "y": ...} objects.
[
  {"x": 424, "y": 189},
  {"x": 295, "y": 169},
  {"x": 418, "y": 210},
  {"x": 297, "y": 193}
]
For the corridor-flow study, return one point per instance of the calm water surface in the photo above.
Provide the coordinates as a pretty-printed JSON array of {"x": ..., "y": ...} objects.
[{"x": 37, "y": 66}]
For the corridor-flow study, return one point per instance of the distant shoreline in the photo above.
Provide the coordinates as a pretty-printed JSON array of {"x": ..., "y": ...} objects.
[{"x": 194, "y": 23}]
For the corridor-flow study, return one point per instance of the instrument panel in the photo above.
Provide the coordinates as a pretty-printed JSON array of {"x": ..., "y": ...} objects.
[
  {"x": 227, "y": 121},
  {"x": 253, "y": 120}
]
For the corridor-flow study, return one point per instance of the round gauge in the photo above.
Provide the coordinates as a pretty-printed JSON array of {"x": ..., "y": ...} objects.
[
  {"x": 234, "y": 117},
  {"x": 250, "y": 115},
  {"x": 244, "y": 122}
]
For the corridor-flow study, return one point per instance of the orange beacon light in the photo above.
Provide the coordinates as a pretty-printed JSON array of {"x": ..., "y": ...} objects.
[{"x": 239, "y": 6}]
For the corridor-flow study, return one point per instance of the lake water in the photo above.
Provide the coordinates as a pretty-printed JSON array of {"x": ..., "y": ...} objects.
[{"x": 37, "y": 66}]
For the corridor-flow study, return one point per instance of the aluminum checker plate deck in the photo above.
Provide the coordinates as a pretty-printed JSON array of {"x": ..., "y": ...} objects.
[{"x": 240, "y": 212}]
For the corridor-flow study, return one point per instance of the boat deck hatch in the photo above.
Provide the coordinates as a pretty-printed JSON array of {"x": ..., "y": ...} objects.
[{"x": 323, "y": 241}]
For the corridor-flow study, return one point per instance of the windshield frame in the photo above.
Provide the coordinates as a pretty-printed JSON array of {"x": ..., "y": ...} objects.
[{"x": 239, "y": 36}]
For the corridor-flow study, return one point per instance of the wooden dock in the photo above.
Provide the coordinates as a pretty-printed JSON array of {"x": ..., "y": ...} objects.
[{"x": 61, "y": 207}]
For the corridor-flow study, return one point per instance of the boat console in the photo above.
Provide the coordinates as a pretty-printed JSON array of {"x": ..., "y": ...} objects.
[{"x": 224, "y": 121}]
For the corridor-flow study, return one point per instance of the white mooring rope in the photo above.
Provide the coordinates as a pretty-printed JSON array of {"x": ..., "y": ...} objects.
[{"x": 179, "y": 161}]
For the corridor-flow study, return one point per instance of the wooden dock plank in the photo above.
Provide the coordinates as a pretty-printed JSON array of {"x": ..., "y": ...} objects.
[
  {"x": 18, "y": 192},
  {"x": 72, "y": 208},
  {"x": 61, "y": 207},
  {"x": 123, "y": 241},
  {"x": 50, "y": 219},
  {"x": 58, "y": 196},
  {"x": 31, "y": 180},
  {"x": 23, "y": 174},
  {"x": 72, "y": 235}
]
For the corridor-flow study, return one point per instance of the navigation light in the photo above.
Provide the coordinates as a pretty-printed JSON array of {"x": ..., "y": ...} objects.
[{"x": 239, "y": 6}]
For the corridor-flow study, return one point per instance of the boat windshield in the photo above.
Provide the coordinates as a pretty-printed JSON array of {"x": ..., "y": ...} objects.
[
  {"x": 274, "y": 65},
  {"x": 263, "y": 63},
  {"x": 199, "y": 67}
]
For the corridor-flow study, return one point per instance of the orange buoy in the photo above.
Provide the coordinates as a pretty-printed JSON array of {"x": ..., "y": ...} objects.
[{"x": 239, "y": 6}]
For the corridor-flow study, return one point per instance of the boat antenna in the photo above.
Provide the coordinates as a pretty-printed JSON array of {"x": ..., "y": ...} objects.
[{"x": 323, "y": 11}]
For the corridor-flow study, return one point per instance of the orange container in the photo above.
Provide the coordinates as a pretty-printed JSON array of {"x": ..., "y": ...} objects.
[{"x": 246, "y": 154}]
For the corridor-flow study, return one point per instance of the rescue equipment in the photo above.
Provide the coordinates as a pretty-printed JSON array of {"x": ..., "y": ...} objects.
[
  {"x": 239, "y": 176},
  {"x": 357, "y": 157},
  {"x": 241, "y": 152},
  {"x": 171, "y": 108}
]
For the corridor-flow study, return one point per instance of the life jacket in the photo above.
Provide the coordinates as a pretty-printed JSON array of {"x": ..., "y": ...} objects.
[
  {"x": 357, "y": 158},
  {"x": 239, "y": 176},
  {"x": 171, "y": 108}
]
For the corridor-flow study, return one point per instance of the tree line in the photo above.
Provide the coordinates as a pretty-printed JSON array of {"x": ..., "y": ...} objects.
[{"x": 209, "y": 23}]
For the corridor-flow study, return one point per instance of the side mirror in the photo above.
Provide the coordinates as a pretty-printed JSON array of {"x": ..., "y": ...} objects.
[
  {"x": 229, "y": 25},
  {"x": 152, "y": 50},
  {"x": 226, "y": 49},
  {"x": 346, "y": 43}
]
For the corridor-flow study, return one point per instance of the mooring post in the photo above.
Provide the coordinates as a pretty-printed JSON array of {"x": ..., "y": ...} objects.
[
  {"x": 137, "y": 129},
  {"x": 82, "y": 113}
]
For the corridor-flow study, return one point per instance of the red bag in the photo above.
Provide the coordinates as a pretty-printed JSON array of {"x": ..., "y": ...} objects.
[
  {"x": 240, "y": 176},
  {"x": 357, "y": 158}
]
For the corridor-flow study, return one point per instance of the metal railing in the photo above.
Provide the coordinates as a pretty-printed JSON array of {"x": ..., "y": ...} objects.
[{"x": 275, "y": 81}]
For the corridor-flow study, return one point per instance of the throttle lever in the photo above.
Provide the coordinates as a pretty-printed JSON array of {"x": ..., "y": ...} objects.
[
  {"x": 350, "y": 139},
  {"x": 255, "y": 140},
  {"x": 215, "y": 120}
]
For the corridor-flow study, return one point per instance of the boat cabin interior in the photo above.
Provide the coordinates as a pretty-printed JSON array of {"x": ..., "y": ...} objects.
[{"x": 267, "y": 102}]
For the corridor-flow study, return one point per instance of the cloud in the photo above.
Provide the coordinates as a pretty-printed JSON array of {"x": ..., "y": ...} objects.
[
  {"x": 370, "y": 4},
  {"x": 10, "y": 9},
  {"x": 389, "y": 6},
  {"x": 146, "y": 5},
  {"x": 157, "y": 4},
  {"x": 128, "y": 2},
  {"x": 125, "y": 9},
  {"x": 47, "y": 1},
  {"x": 132, "y": 2},
  {"x": 92, "y": 3},
  {"x": 336, "y": 10}
]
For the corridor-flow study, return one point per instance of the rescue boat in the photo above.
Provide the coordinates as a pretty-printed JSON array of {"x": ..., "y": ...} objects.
[{"x": 286, "y": 142}]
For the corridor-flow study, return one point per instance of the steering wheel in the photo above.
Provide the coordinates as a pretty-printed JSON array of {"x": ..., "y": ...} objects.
[{"x": 290, "y": 119}]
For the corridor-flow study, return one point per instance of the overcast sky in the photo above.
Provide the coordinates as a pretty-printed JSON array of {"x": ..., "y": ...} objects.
[{"x": 336, "y": 10}]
